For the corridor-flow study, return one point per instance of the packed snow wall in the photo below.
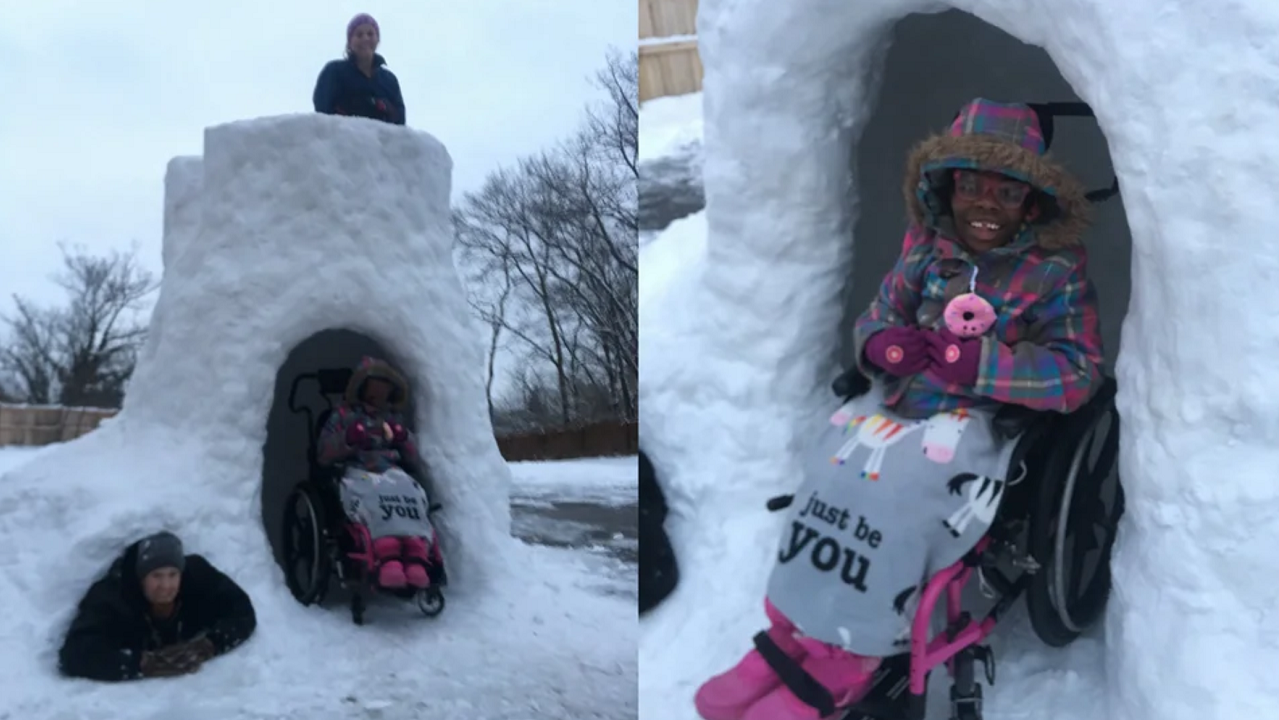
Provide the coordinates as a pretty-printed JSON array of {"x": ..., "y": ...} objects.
[
  {"x": 288, "y": 227},
  {"x": 1191, "y": 630}
]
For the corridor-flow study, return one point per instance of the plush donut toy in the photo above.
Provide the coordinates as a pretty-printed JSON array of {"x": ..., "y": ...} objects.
[{"x": 969, "y": 315}]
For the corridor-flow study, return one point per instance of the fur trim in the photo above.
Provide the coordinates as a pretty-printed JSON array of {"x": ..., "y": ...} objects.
[
  {"x": 1065, "y": 224},
  {"x": 382, "y": 370}
]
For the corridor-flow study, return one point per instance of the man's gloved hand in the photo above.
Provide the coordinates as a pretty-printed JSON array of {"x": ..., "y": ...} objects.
[
  {"x": 158, "y": 664},
  {"x": 185, "y": 657}
]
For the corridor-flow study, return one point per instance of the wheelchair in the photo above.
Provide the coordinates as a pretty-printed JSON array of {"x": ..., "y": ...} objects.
[
  {"x": 320, "y": 540},
  {"x": 1053, "y": 516}
]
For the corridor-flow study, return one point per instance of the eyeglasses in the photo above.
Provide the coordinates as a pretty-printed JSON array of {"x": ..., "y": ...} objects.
[{"x": 971, "y": 186}]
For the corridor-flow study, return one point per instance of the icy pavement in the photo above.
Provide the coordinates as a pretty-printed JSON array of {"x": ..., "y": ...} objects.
[{"x": 587, "y": 507}]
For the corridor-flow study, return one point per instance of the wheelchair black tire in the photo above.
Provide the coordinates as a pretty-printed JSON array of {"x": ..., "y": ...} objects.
[
  {"x": 304, "y": 511},
  {"x": 1055, "y": 625}
]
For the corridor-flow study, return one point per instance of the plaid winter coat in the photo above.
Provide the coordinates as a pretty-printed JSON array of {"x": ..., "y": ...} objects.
[
  {"x": 384, "y": 454},
  {"x": 1045, "y": 350}
]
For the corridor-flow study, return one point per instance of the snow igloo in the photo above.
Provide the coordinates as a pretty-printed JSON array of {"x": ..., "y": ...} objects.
[
  {"x": 294, "y": 243},
  {"x": 805, "y": 137}
]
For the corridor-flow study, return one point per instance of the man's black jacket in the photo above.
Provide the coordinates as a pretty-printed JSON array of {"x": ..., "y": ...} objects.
[{"x": 113, "y": 627}]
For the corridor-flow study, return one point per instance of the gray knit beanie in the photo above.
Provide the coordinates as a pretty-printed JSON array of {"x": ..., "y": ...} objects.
[{"x": 160, "y": 550}]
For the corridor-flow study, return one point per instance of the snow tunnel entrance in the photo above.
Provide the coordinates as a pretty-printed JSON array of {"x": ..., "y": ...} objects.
[
  {"x": 284, "y": 462},
  {"x": 935, "y": 64}
]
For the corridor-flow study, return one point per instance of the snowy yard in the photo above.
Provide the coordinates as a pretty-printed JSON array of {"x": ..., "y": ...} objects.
[{"x": 392, "y": 667}]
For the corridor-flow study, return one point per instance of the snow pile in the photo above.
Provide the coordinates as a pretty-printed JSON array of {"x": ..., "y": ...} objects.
[
  {"x": 13, "y": 457},
  {"x": 731, "y": 391},
  {"x": 670, "y": 177},
  {"x": 670, "y": 126},
  {"x": 287, "y": 227},
  {"x": 603, "y": 480}
]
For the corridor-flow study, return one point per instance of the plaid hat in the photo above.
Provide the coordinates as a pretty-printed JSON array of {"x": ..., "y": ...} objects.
[
  {"x": 160, "y": 550},
  {"x": 359, "y": 20}
]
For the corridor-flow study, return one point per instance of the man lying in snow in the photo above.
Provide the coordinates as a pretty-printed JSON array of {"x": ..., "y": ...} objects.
[
  {"x": 368, "y": 437},
  {"x": 157, "y": 613},
  {"x": 988, "y": 304}
]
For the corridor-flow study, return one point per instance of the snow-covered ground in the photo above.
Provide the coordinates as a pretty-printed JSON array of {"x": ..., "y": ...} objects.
[
  {"x": 285, "y": 228},
  {"x": 587, "y": 584},
  {"x": 1192, "y": 630},
  {"x": 606, "y": 481},
  {"x": 589, "y": 507}
]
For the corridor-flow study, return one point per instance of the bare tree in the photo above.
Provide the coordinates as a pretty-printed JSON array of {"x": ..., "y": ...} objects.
[
  {"x": 616, "y": 125},
  {"x": 561, "y": 229},
  {"x": 81, "y": 354},
  {"x": 493, "y": 312},
  {"x": 494, "y": 226}
]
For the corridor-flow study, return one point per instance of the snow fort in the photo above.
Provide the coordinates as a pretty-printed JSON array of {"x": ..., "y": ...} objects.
[
  {"x": 806, "y": 136},
  {"x": 295, "y": 244}
]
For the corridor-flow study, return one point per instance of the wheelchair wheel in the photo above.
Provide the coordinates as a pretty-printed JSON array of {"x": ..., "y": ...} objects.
[
  {"x": 306, "y": 559},
  {"x": 430, "y": 601},
  {"x": 1073, "y": 524}
]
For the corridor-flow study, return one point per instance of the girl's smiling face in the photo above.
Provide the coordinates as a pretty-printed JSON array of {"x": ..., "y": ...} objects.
[{"x": 989, "y": 208}]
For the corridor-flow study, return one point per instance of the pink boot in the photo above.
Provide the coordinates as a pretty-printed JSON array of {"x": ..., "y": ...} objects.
[
  {"x": 847, "y": 676},
  {"x": 390, "y": 574},
  {"x": 415, "y": 561},
  {"x": 728, "y": 695}
]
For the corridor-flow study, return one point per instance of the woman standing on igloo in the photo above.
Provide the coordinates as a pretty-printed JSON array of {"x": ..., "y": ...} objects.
[
  {"x": 988, "y": 304},
  {"x": 360, "y": 85}
]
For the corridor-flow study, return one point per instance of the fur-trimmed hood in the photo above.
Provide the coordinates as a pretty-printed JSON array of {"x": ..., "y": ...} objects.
[
  {"x": 371, "y": 367},
  {"x": 1003, "y": 138}
]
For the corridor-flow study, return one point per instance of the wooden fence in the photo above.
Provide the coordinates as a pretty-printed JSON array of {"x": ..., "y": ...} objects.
[
  {"x": 668, "y": 60},
  {"x": 591, "y": 441},
  {"x": 36, "y": 425},
  {"x": 47, "y": 424}
]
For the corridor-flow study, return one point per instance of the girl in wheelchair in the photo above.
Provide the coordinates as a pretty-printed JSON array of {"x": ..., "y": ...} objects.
[
  {"x": 367, "y": 436},
  {"x": 988, "y": 304}
]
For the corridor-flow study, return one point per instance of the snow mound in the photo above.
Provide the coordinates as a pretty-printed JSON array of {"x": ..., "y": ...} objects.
[
  {"x": 664, "y": 123},
  {"x": 730, "y": 392},
  {"x": 288, "y": 227},
  {"x": 604, "y": 480}
]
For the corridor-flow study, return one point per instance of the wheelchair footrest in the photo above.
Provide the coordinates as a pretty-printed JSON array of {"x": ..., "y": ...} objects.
[
  {"x": 889, "y": 695},
  {"x": 780, "y": 502}
]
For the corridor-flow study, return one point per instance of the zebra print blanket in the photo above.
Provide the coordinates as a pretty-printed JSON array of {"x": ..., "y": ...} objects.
[{"x": 885, "y": 504}]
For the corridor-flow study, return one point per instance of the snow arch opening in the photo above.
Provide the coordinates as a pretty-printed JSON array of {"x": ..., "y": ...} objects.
[
  {"x": 284, "y": 462},
  {"x": 934, "y": 64}
]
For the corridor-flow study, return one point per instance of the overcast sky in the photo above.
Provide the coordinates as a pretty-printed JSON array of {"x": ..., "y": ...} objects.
[{"x": 99, "y": 96}]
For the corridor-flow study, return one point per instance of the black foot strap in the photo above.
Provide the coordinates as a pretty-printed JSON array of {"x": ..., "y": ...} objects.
[{"x": 807, "y": 689}]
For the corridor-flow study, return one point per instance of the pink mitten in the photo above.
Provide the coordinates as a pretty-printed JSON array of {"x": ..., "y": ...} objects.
[
  {"x": 357, "y": 436},
  {"x": 399, "y": 434},
  {"x": 954, "y": 359},
  {"x": 899, "y": 351}
]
